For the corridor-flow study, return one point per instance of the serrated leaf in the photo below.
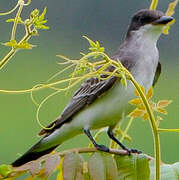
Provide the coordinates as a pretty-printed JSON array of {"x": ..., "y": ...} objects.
[
  {"x": 72, "y": 167},
  {"x": 163, "y": 103},
  {"x": 136, "y": 101},
  {"x": 135, "y": 166},
  {"x": 102, "y": 166},
  {"x": 149, "y": 93},
  {"x": 161, "y": 110}
]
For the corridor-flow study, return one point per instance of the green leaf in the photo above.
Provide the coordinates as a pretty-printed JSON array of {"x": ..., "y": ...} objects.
[
  {"x": 102, "y": 166},
  {"x": 168, "y": 171},
  {"x": 11, "y": 43},
  {"x": 34, "y": 13},
  {"x": 5, "y": 170},
  {"x": 135, "y": 166},
  {"x": 72, "y": 167},
  {"x": 12, "y": 20},
  {"x": 42, "y": 16},
  {"x": 25, "y": 45}
]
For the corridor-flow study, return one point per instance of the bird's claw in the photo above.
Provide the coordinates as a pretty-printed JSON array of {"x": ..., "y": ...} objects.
[
  {"x": 132, "y": 151},
  {"x": 102, "y": 148}
]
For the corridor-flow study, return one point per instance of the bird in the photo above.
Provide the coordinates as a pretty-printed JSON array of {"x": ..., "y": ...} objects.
[{"x": 102, "y": 103}]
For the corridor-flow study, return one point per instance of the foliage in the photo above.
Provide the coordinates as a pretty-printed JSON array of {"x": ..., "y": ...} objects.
[
  {"x": 32, "y": 24},
  {"x": 100, "y": 165},
  {"x": 70, "y": 164}
]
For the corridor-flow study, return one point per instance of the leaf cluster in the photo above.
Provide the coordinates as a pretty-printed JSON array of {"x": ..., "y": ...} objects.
[
  {"x": 99, "y": 165},
  {"x": 141, "y": 111}
]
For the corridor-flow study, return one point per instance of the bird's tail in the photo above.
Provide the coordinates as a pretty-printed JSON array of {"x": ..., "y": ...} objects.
[{"x": 31, "y": 154}]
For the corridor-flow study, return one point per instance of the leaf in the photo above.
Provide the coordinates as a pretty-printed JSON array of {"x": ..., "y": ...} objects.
[
  {"x": 102, "y": 166},
  {"x": 5, "y": 170},
  {"x": 42, "y": 16},
  {"x": 34, "y": 167},
  {"x": 145, "y": 116},
  {"x": 25, "y": 45},
  {"x": 50, "y": 165},
  {"x": 41, "y": 26},
  {"x": 170, "y": 12},
  {"x": 136, "y": 113},
  {"x": 111, "y": 167},
  {"x": 168, "y": 171},
  {"x": 161, "y": 110},
  {"x": 11, "y": 43},
  {"x": 135, "y": 166},
  {"x": 149, "y": 93},
  {"x": 72, "y": 167},
  {"x": 163, "y": 103},
  {"x": 12, "y": 20},
  {"x": 171, "y": 8},
  {"x": 136, "y": 101}
]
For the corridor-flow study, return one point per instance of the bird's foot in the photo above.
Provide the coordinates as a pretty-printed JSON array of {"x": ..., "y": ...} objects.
[
  {"x": 132, "y": 151},
  {"x": 102, "y": 148}
]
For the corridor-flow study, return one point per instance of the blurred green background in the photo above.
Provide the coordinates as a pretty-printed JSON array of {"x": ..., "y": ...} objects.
[{"x": 101, "y": 20}]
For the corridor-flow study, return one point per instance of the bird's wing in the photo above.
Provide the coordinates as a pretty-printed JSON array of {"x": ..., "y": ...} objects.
[
  {"x": 157, "y": 74},
  {"x": 89, "y": 91}
]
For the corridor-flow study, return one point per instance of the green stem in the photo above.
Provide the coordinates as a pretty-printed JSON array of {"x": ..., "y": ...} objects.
[
  {"x": 11, "y": 11},
  {"x": 168, "y": 130},
  {"x": 7, "y": 57},
  {"x": 154, "y": 128},
  {"x": 154, "y": 4},
  {"x": 16, "y": 21},
  {"x": 126, "y": 129},
  {"x": 12, "y": 52}
]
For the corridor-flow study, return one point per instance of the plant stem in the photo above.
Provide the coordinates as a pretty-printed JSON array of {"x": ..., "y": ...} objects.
[
  {"x": 154, "y": 128},
  {"x": 168, "y": 130},
  {"x": 16, "y": 21},
  {"x": 154, "y": 4},
  {"x": 7, "y": 57}
]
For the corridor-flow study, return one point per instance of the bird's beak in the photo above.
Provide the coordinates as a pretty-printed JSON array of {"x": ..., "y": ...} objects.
[{"x": 164, "y": 20}]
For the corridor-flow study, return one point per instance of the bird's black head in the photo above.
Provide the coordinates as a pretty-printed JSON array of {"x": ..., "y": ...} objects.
[{"x": 146, "y": 16}]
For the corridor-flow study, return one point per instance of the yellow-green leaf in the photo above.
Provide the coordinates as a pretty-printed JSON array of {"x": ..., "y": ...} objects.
[
  {"x": 136, "y": 113},
  {"x": 170, "y": 12},
  {"x": 161, "y": 110},
  {"x": 135, "y": 166},
  {"x": 171, "y": 8},
  {"x": 136, "y": 101},
  {"x": 164, "y": 103},
  {"x": 145, "y": 116},
  {"x": 149, "y": 93}
]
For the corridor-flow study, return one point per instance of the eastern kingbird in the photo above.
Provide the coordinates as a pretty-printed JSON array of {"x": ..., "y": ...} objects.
[{"x": 101, "y": 103}]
